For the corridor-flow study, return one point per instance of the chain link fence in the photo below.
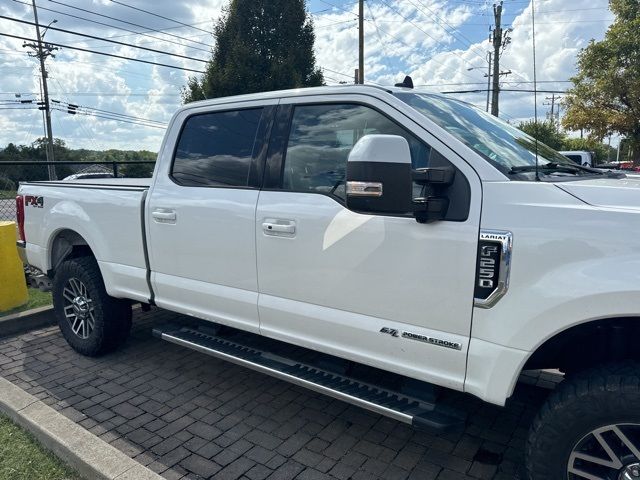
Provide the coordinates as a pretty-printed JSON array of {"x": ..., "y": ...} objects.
[{"x": 12, "y": 173}]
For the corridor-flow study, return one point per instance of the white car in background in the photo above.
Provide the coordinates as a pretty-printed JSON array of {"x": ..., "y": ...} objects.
[{"x": 581, "y": 157}]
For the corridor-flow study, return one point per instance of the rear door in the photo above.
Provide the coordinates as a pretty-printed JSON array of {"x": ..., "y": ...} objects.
[
  {"x": 381, "y": 290},
  {"x": 201, "y": 214}
]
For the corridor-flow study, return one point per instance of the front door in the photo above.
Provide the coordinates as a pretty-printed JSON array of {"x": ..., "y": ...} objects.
[{"x": 381, "y": 290}]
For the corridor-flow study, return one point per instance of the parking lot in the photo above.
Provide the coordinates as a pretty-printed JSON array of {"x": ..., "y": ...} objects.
[{"x": 187, "y": 415}]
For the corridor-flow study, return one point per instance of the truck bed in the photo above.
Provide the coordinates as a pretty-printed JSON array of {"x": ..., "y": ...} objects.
[{"x": 105, "y": 213}]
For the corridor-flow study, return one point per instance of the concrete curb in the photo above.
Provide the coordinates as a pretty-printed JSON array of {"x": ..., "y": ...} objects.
[
  {"x": 27, "y": 320},
  {"x": 90, "y": 456}
]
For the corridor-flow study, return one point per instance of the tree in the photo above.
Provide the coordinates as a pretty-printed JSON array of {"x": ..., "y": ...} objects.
[
  {"x": 261, "y": 45},
  {"x": 605, "y": 96},
  {"x": 546, "y": 132}
]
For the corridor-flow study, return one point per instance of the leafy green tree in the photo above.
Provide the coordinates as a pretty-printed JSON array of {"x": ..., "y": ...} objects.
[
  {"x": 13, "y": 174},
  {"x": 546, "y": 132},
  {"x": 261, "y": 45},
  {"x": 605, "y": 96}
]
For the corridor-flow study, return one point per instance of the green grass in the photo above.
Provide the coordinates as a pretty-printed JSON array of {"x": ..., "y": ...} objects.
[
  {"x": 4, "y": 194},
  {"x": 36, "y": 299},
  {"x": 22, "y": 458}
]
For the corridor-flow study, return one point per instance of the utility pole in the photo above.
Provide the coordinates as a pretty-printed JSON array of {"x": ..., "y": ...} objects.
[
  {"x": 554, "y": 115},
  {"x": 361, "y": 42},
  {"x": 497, "y": 44},
  {"x": 489, "y": 79},
  {"x": 500, "y": 39},
  {"x": 42, "y": 52}
]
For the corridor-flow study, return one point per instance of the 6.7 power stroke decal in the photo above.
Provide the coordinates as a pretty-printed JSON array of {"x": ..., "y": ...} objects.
[{"x": 421, "y": 338}]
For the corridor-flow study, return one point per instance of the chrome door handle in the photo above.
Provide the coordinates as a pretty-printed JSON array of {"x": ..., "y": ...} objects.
[
  {"x": 164, "y": 216},
  {"x": 273, "y": 228}
]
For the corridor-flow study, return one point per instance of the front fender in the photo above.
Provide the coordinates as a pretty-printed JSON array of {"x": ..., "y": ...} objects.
[{"x": 571, "y": 263}]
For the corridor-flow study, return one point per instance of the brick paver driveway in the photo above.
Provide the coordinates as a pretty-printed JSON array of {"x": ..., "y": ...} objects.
[{"x": 187, "y": 415}]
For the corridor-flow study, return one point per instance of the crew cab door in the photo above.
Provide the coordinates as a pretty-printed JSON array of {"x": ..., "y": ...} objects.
[
  {"x": 381, "y": 290},
  {"x": 201, "y": 213}
]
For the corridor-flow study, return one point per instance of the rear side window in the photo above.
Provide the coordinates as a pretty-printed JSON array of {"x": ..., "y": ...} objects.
[{"x": 216, "y": 149}]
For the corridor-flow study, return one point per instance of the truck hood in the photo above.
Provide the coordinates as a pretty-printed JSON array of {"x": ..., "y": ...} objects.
[{"x": 606, "y": 192}]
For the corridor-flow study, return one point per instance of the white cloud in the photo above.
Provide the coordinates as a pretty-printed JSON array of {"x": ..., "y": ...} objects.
[{"x": 402, "y": 37}]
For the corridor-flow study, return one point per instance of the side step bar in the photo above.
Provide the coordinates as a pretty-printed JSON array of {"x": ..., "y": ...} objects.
[{"x": 407, "y": 409}]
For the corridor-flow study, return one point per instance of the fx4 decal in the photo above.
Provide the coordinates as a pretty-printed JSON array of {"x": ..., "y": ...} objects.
[{"x": 33, "y": 201}]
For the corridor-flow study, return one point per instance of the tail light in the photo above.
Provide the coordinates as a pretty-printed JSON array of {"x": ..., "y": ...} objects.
[{"x": 20, "y": 216}]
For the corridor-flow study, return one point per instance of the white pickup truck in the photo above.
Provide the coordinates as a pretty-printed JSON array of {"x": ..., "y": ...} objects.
[{"x": 374, "y": 244}]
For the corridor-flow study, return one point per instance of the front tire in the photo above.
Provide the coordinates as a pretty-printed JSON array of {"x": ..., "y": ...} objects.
[
  {"x": 589, "y": 428},
  {"x": 90, "y": 320}
]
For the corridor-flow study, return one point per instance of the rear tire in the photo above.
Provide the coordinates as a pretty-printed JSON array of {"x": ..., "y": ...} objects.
[
  {"x": 593, "y": 415},
  {"x": 90, "y": 320}
]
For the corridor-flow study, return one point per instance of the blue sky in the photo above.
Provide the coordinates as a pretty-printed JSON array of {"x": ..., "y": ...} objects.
[{"x": 442, "y": 44}]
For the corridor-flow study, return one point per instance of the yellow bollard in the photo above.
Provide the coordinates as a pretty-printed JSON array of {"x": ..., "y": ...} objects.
[{"x": 13, "y": 288}]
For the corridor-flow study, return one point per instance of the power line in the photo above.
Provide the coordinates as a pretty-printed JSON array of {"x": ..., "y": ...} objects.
[
  {"x": 106, "y": 117},
  {"x": 483, "y": 90},
  {"x": 340, "y": 8},
  {"x": 337, "y": 73},
  {"x": 149, "y": 62},
  {"x": 97, "y": 94},
  {"x": 74, "y": 109},
  {"x": 116, "y": 27},
  {"x": 334, "y": 23},
  {"x": 455, "y": 32},
  {"x": 375, "y": 24},
  {"x": 89, "y": 134},
  {"x": 159, "y": 16},
  {"x": 93, "y": 37},
  {"x": 131, "y": 23},
  {"x": 517, "y": 82},
  {"x": 427, "y": 34},
  {"x": 107, "y": 112},
  {"x": 398, "y": 39}
]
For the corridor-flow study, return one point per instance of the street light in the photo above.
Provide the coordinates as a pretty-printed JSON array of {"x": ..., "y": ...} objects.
[{"x": 47, "y": 27}]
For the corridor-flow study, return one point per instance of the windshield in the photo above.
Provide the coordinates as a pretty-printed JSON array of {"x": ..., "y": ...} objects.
[{"x": 507, "y": 148}]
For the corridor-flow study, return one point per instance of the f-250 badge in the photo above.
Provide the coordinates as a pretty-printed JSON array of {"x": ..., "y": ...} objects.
[{"x": 33, "y": 201}]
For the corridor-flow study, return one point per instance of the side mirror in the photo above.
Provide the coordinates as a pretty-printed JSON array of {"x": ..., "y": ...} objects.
[
  {"x": 380, "y": 180},
  {"x": 379, "y": 175}
]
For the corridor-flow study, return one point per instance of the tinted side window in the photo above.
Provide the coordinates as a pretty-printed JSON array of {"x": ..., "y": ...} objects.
[
  {"x": 215, "y": 149},
  {"x": 320, "y": 141}
]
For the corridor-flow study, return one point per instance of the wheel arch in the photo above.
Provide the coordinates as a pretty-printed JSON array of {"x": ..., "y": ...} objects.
[
  {"x": 66, "y": 243},
  {"x": 588, "y": 344}
]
